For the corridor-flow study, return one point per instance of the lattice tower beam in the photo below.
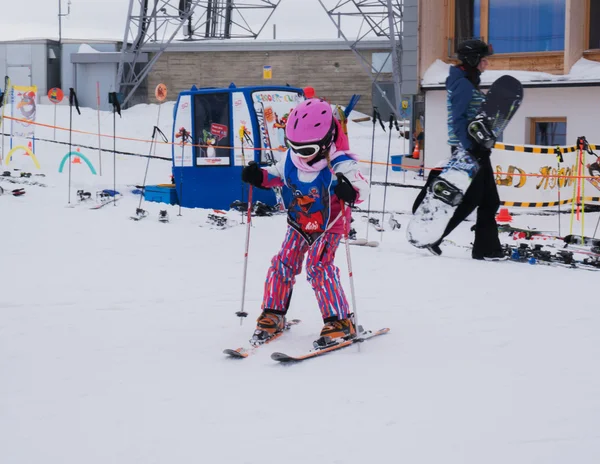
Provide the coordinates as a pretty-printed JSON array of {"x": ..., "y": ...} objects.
[
  {"x": 380, "y": 18},
  {"x": 160, "y": 21}
]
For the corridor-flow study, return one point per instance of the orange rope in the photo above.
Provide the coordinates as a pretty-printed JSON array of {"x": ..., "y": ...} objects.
[
  {"x": 514, "y": 174},
  {"x": 282, "y": 150},
  {"x": 127, "y": 138}
]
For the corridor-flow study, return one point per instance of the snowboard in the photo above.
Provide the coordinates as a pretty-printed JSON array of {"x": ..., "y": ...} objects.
[{"x": 447, "y": 191}]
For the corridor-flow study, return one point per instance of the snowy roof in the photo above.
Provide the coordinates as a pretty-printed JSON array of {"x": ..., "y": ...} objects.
[
  {"x": 584, "y": 72},
  {"x": 18, "y": 33},
  {"x": 266, "y": 45}
]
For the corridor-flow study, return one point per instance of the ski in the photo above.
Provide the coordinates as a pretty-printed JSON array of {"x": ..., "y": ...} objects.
[
  {"x": 13, "y": 180},
  {"x": 244, "y": 352},
  {"x": 579, "y": 240},
  {"x": 364, "y": 242},
  {"x": 105, "y": 197},
  {"x": 523, "y": 253},
  {"x": 314, "y": 353},
  {"x": 14, "y": 192},
  {"x": 101, "y": 205},
  {"x": 529, "y": 234}
]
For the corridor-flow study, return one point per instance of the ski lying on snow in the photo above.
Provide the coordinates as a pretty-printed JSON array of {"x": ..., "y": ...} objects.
[
  {"x": 244, "y": 352},
  {"x": 523, "y": 253},
  {"x": 107, "y": 202},
  {"x": 364, "y": 242},
  {"x": 364, "y": 336}
]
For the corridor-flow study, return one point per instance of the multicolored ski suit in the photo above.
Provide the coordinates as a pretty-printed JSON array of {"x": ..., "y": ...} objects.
[{"x": 315, "y": 225}]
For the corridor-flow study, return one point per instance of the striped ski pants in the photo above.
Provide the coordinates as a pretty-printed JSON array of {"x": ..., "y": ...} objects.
[{"x": 321, "y": 272}]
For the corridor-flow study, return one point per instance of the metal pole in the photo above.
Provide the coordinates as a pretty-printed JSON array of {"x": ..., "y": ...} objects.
[
  {"x": 241, "y": 313},
  {"x": 99, "y": 136},
  {"x": 397, "y": 75},
  {"x": 59, "y": 22}
]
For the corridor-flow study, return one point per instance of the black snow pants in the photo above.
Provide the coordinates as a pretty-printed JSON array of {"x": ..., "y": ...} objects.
[{"x": 481, "y": 194}]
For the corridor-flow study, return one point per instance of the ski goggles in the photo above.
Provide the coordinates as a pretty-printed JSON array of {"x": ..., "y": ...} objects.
[{"x": 305, "y": 151}]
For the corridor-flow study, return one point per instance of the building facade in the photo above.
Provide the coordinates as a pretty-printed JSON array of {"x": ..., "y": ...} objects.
[{"x": 329, "y": 66}]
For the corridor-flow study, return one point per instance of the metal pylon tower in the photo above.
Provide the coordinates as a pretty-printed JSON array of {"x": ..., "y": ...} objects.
[
  {"x": 396, "y": 20},
  {"x": 163, "y": 21}
]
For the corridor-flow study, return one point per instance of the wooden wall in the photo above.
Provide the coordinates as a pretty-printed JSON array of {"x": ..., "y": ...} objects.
[
  {"x": 433, "y": 33},
  {"x": 548, "y": 62},
  {"x": 335, "y": 74},
  {"x": 576, "y": 31},
  {"x": 592, "y": 55}
]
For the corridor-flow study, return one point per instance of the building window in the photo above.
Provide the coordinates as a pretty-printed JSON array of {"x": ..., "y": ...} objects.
[
  {"x": 511, "y": 27},
  {"x": 527, "y": 26},
  {"x": 548, "y": 131},
  {"x": 593, "y": 18},
  {"x": 213, "y": 137},
  {"x": 382, "y": 63},
  {"x": 464, "y": 20}
]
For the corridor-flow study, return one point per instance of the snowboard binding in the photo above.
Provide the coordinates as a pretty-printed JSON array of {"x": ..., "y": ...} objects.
[
  {"x": 163, "y": 216},
  {"x": 140, "y": 213},
  {"x": 102, "y": 196},
  {"x": 83, "y": 196},
  {"x": 446, "y": 192},
  {"x": 217, "y": 220}
]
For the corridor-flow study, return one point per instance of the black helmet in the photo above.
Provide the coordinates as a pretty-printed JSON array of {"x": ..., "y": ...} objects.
[{"x": 471, "y": 51}]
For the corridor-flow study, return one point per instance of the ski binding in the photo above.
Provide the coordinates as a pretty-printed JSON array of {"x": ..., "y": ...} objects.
[
  {"x": 244, "y": 352},
  {"x": 327, "y": 346}
]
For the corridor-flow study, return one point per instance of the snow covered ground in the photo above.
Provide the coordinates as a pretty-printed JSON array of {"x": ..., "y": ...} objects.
[{"x": 112, "y": 331}]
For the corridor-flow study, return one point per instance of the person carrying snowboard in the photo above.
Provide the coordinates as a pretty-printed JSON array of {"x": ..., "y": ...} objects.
[
  {"x": 463, "y": 101},
  {"x": 321, "y": 173}
]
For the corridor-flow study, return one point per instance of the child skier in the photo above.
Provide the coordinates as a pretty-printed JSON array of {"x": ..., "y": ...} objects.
[{"x": 320, "y": 173}]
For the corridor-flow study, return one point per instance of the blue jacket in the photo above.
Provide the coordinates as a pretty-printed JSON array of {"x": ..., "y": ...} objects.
[{"x": 463, "y": 102}]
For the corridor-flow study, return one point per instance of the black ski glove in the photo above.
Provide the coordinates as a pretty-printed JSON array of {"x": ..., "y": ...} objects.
[
  {"x": 252, "y": 174},
  {"x": 344, "y": 190}
]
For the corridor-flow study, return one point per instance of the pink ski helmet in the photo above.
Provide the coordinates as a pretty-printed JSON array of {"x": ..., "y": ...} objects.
[{"x": 310, "y": 128}]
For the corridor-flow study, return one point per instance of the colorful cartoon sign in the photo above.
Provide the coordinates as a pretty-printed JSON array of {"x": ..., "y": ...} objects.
[
  {"x": 241, "y": 118},
  {"x": 55, "y": 95},
  {"x": 219, "y": 131},
  {"x": 533, "y": 178},
  {"x": 160, "y": 92},
  {"x": 272, "y": 111},
  {"x": 24, "y": 108},
  {"x": 183, "y": 153}
]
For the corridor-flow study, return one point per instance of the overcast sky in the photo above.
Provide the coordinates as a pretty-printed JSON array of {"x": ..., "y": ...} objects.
[{"x": 105, "y": 19}]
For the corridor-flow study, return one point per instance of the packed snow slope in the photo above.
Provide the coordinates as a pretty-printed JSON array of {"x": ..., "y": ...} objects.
[{"x": 112, "y": 331}]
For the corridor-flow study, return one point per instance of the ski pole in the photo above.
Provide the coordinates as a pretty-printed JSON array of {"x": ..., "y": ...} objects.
[
  {"x": 348, "y": 258},
  {"x": 241, "y": 313},
  {"x": 70, "y": 140},
  {"x": 184, "y": 136},
  {"x": 584, "y": 149},
  {"x": 371, "y": 169},
  {"x": 242, "y": 132},
  {"x": 559, "y": 159},
  {"x": 152, "y": 144},
  {"x": 113, "y": 99},
  {"x": 387, "y": 169},
  {"x": 99, "y": 136},
  {"x": 72, "y": 102}
]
